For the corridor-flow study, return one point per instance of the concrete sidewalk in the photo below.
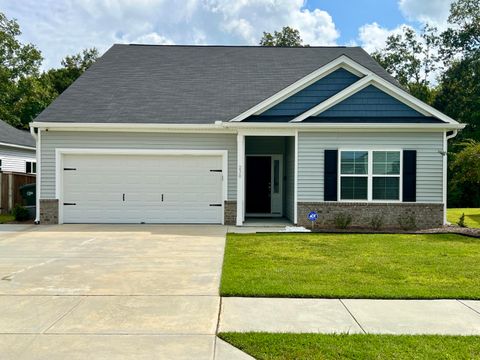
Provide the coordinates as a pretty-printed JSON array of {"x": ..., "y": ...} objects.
[{"x": 444, "y": 317}]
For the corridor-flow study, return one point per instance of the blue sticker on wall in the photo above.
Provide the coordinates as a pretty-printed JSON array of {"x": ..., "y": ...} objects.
[{"x": 312, "y": 216}]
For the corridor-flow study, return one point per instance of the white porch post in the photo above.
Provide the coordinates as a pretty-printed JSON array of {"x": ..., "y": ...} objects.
[{"x": 240, "y": 178}]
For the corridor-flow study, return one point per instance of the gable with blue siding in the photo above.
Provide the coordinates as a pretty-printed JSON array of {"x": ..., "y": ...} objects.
[
  {"x": 371, "y": 102},
  {"x": 313, "y": 94}
]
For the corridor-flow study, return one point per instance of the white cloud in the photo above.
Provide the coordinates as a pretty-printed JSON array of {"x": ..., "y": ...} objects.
[
  {"x": 373, "y": 37},
  {"x": 434, "y": 12},
  {"x": 65, "y": 27}
]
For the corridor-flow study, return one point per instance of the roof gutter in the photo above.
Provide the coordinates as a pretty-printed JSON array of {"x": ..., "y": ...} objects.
[
  {"x": 219, "y": 126},
  {"x": 344, "y": 126},
  {"x": 18, "y": 146}
]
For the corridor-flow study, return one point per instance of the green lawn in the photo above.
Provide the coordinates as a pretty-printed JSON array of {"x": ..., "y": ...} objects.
[
  {"x": 358, "y": 347},
  {"x": 472, "y": 216},
  {"x": 6, "y": 218},
  {"x": 425, "y": 266}
]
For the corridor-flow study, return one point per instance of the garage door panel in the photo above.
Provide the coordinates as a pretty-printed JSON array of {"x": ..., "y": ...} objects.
[{"x": 99, "y": 182}]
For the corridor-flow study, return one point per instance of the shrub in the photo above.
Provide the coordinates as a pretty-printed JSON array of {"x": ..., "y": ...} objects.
[
  {"x": 342, "y": 220},
  {"x": 20, "y": 213},
  {"x": 407, "y": 222},
  {"x": 461, "y": 221},
  {"x": 376, "y": 222}
]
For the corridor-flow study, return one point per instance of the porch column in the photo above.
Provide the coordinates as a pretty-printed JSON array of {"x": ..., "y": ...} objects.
[{"x": 240, "y": 178}]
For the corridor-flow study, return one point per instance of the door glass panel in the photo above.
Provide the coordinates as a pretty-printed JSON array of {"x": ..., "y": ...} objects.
[{"x": 276, "y": 176}]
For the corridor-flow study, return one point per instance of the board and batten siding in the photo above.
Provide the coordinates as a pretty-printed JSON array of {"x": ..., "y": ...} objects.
[
  {"x": 15, "y": 159},
  {"x": 313, "y": 94},
  {"x": 311, "y": 146},
  {"x": 122, "y": 140},
  {"x": 370, "y": 102}
]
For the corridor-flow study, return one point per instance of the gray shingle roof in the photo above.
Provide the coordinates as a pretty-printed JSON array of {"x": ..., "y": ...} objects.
[
  {"x": 11, "y": 135},
  {"x": 188, "y": 84}
]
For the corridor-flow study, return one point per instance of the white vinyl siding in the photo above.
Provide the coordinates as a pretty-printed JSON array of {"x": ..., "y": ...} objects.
[
  {"x": 311, "y": 146},
  {"x": 134, "y": 140},
  {"x": 15, "y": 159}
]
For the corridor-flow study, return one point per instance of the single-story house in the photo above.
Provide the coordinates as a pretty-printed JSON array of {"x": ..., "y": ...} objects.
[
  {"x": 17, "y": 150},
  {"x": 220, "y": 134}
]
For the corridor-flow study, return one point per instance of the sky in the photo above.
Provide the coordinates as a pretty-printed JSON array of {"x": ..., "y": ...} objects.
[{"x": 65, "y": 27}]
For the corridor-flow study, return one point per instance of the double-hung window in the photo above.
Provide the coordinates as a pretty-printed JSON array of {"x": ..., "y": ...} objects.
[{"x": 370, "y": 175}]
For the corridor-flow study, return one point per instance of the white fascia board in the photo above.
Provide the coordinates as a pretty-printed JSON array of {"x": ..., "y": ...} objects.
[
  {"x": 130, "y": 127},
  {"x": 342, "y": 127},
  {"x": 383, "y": 85},
  {"x": 342, "y": 61}
]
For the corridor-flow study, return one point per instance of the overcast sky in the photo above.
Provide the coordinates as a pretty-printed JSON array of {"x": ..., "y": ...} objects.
[{"x": 63, "y": 27}]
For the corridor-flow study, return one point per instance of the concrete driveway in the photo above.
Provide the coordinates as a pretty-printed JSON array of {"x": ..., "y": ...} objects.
[{"x": 110, "y": 292}]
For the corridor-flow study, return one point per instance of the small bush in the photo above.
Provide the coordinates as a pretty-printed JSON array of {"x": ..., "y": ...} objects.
[
  {"x": 461, "y": 221},
  {"x": 376, "y": 222},
  {"x": 20, "y": 213},
  {"x": 407, "y": 222},
  {"x": 342, "y": 220}
]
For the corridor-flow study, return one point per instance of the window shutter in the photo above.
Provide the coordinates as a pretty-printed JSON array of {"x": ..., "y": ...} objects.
[
  {"x": 409, "y": 175},
  {"x": 330, "y": 175}
]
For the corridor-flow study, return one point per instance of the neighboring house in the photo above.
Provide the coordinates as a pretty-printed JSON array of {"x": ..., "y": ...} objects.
[
  {"x": 17, "y": 150},
  {"x": 218, "y": 134}
]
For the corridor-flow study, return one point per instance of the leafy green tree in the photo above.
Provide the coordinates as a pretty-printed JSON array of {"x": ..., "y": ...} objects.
[
  {"x": 73, "y": 67},
  {"x": 459, "y": 90},
  {"x": 464, "y": 33},
  {"x": 465, "y": 175},
  {"x": 286, "y": 37},
  {"x": 411, "y": 58},
  {"x": 18, "y": 62},
  {"x": 459, "y": 95}
]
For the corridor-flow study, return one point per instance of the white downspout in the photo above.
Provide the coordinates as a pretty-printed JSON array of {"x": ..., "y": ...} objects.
[
  {"x": 445, "y": 169},
  {"x": 37, "y": 138}
]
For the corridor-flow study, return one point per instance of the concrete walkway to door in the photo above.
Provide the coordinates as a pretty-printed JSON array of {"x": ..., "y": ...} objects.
[{"x": 111, "y": 292}]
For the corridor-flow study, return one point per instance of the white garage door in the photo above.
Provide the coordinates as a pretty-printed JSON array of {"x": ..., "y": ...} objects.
[{"x": 142, "y": 188}]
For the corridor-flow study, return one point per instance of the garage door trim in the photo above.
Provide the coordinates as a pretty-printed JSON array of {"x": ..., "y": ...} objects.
[{"x": 59, "y": 152}]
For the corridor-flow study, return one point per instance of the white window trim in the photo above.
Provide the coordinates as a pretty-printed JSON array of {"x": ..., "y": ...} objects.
[
  {"x": 31, "y": 166},
  {"x": 369, "y": 176}
]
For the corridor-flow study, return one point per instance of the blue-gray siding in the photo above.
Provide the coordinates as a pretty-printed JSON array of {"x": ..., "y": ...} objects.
[
  {"x": 311, "y": 146},
  {"x": 370, "y": 102},
  {"x": 313, "y": 94},
  {"x": 123, "y": 140}
]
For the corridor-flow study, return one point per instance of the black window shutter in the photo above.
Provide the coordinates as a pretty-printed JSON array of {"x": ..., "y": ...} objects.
[
  {"x": 330, "y": 175},
  {"x": 409, "y": 175}
]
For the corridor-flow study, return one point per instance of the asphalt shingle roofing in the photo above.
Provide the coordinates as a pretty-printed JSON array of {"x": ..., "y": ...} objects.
[
  {"x": 11, "y": 135},
  {"x": 188, "y": 84}
]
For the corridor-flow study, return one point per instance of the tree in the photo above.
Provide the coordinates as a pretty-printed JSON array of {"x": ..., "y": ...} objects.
[
  {"x": 465, "y": 175},
  {"x": 18, "y": 62},
  {"x": 73, "y": 67},
  {"x": 411, "y": 58},
  {"x": 458, "y": 95},
  {"x": 464, "y": 33},
  {"x": 286, "y": 37},
  {"x": 459, "y": 90}
]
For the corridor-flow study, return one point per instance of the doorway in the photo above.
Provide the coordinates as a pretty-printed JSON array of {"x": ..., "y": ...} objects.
[{"x": 264, "y": 185}]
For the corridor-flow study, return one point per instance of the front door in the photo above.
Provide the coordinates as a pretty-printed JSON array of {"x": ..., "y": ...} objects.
[{"x": 259, "y": 182}]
